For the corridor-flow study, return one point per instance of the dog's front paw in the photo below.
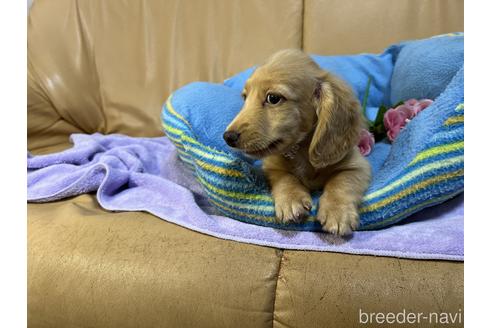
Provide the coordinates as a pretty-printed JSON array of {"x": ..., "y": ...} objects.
[
  {"x": 292, "y": 206},
  {"x": 337, "y": 217}
]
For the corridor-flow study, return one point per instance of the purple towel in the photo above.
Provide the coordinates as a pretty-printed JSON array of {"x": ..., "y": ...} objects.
[{"x": 145, "y": 174}]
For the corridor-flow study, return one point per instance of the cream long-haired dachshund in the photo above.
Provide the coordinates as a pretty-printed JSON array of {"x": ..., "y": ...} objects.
[{"x": 305, "y": 123}]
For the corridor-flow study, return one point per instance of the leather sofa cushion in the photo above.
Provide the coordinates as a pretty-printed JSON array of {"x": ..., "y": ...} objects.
[
  {"x": 88, "y": 267},
  {"x": 108, "y": 66},
  {"x": 355, "y": 26},
  {"x": 320, "y": 290},
  {"x": 92, "y": 268}
]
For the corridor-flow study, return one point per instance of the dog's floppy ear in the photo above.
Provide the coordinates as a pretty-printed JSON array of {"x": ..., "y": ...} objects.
[{"x": 339, "y": 122}]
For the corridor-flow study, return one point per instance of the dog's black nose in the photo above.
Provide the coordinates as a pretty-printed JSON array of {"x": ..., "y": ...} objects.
[{"x": 231, "y": 138}]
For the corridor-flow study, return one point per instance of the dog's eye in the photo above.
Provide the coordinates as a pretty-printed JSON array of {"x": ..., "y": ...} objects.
[{"x": 273, "y": 99}]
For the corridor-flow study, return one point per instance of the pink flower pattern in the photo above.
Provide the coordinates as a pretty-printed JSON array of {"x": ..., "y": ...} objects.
[{"x": 395, "y": 119}]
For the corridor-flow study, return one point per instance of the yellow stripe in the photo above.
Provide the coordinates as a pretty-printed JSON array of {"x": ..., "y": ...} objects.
[
  {"x": 411, "y": 190},
  {"x": 213, "y": 156},
  {"x": 219, "y": 170},
  {"x": 236, "y": 195},
  {"x": 384, "y": 202},
  {"x": 176, "y": 142},
  {"x": 408, "y": 211},
  {"x": 206, "y": 166},
  {"x": 413, "y": 174},
  {"x": 213, "y": 168},
  {"x": 172, "y": 129},
  {"x": 185, "y": 137},
  {"x": 175, "y": 131},
  {"x": 249, "y": 215},
  {"x": 245, "y": 206},
  {"x": 253, "y": 216},
  {"x": 460, "y": 107},
  {"x": 171, "y": 109},
  {"x": 455, "y": 120},
  {"x": 182, "y": 152},
  {"x": 434, "y": 151}
]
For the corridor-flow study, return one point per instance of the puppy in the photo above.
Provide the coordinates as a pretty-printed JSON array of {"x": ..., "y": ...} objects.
[{"x": 305, "y": 123}]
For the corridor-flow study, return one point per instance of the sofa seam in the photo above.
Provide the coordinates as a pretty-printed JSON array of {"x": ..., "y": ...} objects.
[
  {"x": 276, "y": 287},
  {"x": 303, "y": 8}
]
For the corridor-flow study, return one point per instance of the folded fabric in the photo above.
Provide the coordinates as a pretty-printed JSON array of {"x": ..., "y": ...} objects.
[
  {"x": 423, "y": 167},
  {"x": 145, "y": 174},
  {"x": 425, "y": 67}
]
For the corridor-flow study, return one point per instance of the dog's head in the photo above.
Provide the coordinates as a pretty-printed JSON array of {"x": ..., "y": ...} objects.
[{"x": 290, "y": 98}]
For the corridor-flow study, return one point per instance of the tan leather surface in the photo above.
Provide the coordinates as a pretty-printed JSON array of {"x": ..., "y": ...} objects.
[
  {"x": 355, "y": 26},
  {"x": 328, "y": 289},
  {"x": 108, "y": 66},
  {"x": 91, "y": 268}
]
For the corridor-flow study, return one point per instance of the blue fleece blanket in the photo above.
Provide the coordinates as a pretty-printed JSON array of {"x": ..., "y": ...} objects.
[{"x": 423, "y": 167}]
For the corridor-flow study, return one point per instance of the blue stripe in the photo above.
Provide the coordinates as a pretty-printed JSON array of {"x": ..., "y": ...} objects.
[
  {"x": 232, "y": 163},
  {"x": 438, "y": 157},
  {"x": 174, "y": 121},
  {"x": 446, "y": 135},
  {"x": 182, "y": 121},
  {"x": 270, "y": 212},
  {"x": 413, "y": 199},
  {"x": 303, "y": 226},
  {"x": 407, "y": 184},
  {"x": 418, "y": 209}
]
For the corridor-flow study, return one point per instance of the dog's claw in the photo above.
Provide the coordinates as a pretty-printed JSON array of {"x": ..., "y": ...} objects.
[
  {"x": 293, "y": 207},
  {"x": 338, "y": 219},
  {"x": 307, "y": 205}
]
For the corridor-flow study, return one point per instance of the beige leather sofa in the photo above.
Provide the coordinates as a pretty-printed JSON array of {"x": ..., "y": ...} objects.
[{"x": 107, "y": 66}]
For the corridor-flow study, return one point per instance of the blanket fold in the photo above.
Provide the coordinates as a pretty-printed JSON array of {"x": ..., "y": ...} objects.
[{"x": 146, "y": 174}]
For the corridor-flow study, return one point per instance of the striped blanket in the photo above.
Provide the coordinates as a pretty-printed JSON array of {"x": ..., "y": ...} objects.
[{"x": 423, "y": 167}]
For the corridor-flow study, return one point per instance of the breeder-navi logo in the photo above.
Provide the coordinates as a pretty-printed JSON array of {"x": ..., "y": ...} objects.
[{"x": 405, "y": 317}]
